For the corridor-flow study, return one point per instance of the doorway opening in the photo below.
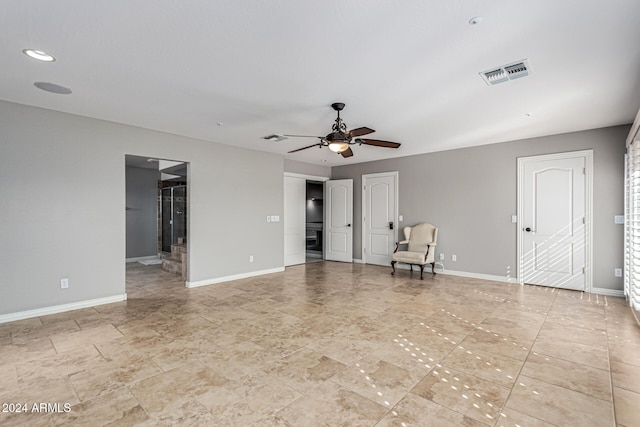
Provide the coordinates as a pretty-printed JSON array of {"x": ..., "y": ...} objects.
[
  {"x": 304, "y": 218},
  {"x": 314, "y": 221},
  {"x": 157, "y": 214}
]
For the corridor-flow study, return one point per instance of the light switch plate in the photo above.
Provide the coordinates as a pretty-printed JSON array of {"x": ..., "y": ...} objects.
[
  {"x": 400, "y": 218},
  {"x": 618, "y": 219},
  {"x": 514, "y": 219}
]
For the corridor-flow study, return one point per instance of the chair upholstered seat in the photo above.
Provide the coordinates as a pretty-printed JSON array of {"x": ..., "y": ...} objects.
[
  {"x": 421, "y": 241},
  {"x": 409, "y": 257}
]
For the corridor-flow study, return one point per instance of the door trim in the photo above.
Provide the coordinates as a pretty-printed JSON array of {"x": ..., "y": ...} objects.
[
  {"x": 363, "y": 239},
  {"x": 588, "y": 161}
]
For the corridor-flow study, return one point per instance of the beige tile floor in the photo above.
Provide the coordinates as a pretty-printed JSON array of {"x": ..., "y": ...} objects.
[{"x": 328, "y": 344}]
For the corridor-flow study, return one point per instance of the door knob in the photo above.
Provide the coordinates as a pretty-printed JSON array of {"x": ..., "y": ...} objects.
[
  {"x": 390, "y": 225},
  {"x": 528, "y": 229},
  {"x": 348, "y": 225}
]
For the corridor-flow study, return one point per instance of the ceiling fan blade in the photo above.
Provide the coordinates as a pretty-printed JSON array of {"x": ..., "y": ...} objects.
[
  {"x": 379, "y": 143},
  {"x": 347, "y": 153},
  {"x": 361, "y": 131},
  {"x": 303, "y": 136},
  {"x": 304, "y": 148}
]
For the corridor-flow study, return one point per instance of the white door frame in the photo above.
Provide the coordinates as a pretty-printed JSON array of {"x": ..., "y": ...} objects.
[
  {"x": 588, "y": 157},
  {"x": 395, "y": 174}
]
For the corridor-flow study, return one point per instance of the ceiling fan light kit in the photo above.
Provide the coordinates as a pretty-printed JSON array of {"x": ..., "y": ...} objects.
[
  {"x": 340, "y": 139},
  {"x": 338, "y": 147}
]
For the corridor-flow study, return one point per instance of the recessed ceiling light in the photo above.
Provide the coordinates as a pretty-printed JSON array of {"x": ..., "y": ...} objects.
[
  {"x": 39, "y": 55},
  {"x": 475, "y": 20},
  {"x": 53, "y": 88}
]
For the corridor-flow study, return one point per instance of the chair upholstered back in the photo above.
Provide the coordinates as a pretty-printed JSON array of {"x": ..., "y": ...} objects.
[{"x": 421, "y": 236}]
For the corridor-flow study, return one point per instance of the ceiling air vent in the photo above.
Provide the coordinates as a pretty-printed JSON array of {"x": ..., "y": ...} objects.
[
  {"x": 274, "y": 137},
  {"x": 506, "y": 72}
]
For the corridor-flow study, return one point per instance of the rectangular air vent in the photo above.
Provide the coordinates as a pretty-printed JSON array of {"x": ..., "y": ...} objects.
[
  {"x": 274, "y": 137},
  {"x": 506, "y": 72}
]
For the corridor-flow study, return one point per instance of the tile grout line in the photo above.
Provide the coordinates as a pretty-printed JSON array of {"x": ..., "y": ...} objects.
[
  {"x": 613, "y": 397},
  {"x": 525, "y": 362}
]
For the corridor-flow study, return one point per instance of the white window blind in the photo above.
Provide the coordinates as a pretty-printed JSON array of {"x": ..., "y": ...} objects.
[{"x": 632, "y": 225}]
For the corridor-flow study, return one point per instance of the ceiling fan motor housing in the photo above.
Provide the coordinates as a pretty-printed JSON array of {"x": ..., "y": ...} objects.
[{"x": 338, "y": 137}]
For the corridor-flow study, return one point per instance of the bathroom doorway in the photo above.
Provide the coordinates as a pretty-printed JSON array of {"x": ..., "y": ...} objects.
[{"x": 157, "y": 213}]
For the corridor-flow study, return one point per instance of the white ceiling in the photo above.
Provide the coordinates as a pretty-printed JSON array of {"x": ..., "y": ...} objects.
[{"x": 408, "y": 69}]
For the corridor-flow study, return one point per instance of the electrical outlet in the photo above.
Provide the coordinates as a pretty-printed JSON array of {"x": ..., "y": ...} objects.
[
  {"x": 275, "y": 218},
  {"x": 250, "y": 258},
  {"x": 454, "y": 258},
  {"x": 268, "y": 218},
  {"x": 442, "y": 257},
  {"x": 617, "y": 272},
  {"x": 64, "y": 283}
]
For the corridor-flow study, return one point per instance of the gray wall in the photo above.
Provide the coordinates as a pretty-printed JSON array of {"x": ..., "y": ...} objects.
[
  {"x": 62, "y": 180},
  {"x": 142, "y": 211},
  {"x": 303, "y": 168},
  {"x": 470, "y": 194}
]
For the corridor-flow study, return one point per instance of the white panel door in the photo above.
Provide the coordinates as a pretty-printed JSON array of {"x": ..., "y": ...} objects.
[
  {"x": 295, "y": 190},
  {"x": 379, "y": 218},
  {"x": 339, "y": 220},
  {"x": 553, "y": 222}
]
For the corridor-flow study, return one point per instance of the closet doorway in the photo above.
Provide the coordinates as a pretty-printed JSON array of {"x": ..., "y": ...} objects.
[
  {"x": 303, "y": 218},
  {"x": 314, "y": 221}
]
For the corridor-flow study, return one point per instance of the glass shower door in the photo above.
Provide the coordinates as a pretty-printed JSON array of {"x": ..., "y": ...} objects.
[
  {"x": 179, "y": 213},
  {"x": 174, "y": 215}
]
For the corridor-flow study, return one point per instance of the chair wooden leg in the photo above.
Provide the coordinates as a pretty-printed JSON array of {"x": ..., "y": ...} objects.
[
  {"x": 433, "y": 268},
  {"x": 393, "y": 265},
  {"x": 421, "y": 271}
]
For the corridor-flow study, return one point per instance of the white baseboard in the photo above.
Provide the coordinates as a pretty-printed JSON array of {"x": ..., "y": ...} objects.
[
  {"x": 213, "y": 281},
  {"x": 142, "y": 258},
  {"x": 11, "y": 317},
  {"x": 479, "y": 276},
  {"x": 440, "y": 270},
  {"x": 599, "y": 291},
  {"x": 358, "y": 261},
  {"x": 608, "y": 292}
]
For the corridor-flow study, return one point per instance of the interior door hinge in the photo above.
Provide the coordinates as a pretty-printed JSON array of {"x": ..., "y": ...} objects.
[
  {"x": 584, "y": 171},
  {"x": 584, "y": 220},
  {"x": 584, "y": 270}
]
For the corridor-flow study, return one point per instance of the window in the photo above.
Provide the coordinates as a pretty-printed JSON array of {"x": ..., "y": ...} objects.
[{"x": 632, "y": 226}]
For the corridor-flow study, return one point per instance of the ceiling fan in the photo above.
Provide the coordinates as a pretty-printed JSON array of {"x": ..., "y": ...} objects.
[{"x": 340, "y": 139}]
